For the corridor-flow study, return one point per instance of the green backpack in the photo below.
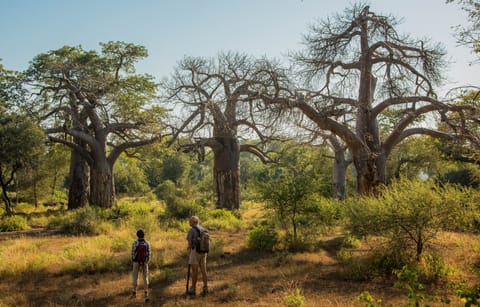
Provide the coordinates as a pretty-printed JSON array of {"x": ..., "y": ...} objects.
[{"x": 203, "y": 240}]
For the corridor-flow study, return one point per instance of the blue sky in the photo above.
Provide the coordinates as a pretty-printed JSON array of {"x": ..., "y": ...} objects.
[{"x": 175, "y": 28}]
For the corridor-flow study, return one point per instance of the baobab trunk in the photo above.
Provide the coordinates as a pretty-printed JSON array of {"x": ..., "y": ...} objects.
[
  {"x": 371, "y": 173},
  {"x": 79, "y": 189},
  {"x": 226, "y": 173},
  {"x": 340, "y": 166},
  {"x": 102, "y": 188}
]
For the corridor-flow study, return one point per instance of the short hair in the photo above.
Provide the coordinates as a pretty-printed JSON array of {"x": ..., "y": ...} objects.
[
  {"x": 195, "y": 219},
  {"x": 140, "y": 234}
]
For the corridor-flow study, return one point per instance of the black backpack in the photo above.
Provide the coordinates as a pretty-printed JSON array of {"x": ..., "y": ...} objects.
[
  {"x": 141, "y": 252},
  {"x": 203, "y": 240}
]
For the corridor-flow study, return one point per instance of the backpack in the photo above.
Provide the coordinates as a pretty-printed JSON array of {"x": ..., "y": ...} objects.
[
  {"x": 203, "y": 240},
  {"x": 141, "y": 252}
]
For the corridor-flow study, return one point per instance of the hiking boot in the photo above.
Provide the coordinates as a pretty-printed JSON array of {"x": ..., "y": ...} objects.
[
  {"x": 191, "y": 291},
  {"x": 205, "y": 290}
]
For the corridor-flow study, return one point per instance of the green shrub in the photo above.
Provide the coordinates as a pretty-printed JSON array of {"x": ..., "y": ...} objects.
[
  {"x": 222, "y": 219},
  {"x": 470, "y": 295},
  {"x": 294, "y": 299},
  {"x": 380, "y": 262},
  {"x": 433, "y": 269},
  {"x": 351, "y": 242},
  {"x": 14, "y": 223},
  {"x": 178, "y": 205},
  {"x": 183, "y": 210},
  {"x": 262, "y": 236},
  {"x": 148, "y": 222},
  {"x": 408, "y": 213},
  {"x": 83, "y": 221},
  {"x": 366, "y": 299}
]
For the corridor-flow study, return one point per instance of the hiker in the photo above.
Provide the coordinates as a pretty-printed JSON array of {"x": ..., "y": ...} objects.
[
  {"x": 140, "y": 257},
  {"x": 196, "y": 259}
]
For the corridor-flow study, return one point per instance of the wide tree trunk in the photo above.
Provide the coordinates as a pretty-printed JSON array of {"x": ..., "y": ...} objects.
[
  {"x": 102, "y": 188},
  {"x": 340, "y": 165},
  {"x": 79, "y": 189},
  {"x": 371, "y": 173},
  {"x": 226, "y": 173}
]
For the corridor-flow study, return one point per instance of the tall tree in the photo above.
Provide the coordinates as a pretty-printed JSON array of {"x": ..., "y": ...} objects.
[
  {"x": 21, "y": 142},
  {"x": 357, "y": 66},
  {"x": 21, "y": 145},
  {"x": 211, "y": 96},
  {"x": 96, "y": 104}
]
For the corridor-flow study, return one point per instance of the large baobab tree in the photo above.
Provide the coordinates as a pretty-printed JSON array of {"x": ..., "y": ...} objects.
[
  {"x": 212, "y": 99},
  {"x": 96, "y": 104},
  {"x": 357, "y": 67}
]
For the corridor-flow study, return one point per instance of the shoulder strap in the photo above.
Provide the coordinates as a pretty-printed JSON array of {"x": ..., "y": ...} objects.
[{"x": 198, "y": 229}]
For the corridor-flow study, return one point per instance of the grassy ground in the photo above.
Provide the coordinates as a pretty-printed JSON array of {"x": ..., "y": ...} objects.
[{"x": 46, "y": 269}]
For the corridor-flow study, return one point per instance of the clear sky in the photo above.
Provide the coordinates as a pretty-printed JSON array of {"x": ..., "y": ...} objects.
[{"x": 171, "y": 29}]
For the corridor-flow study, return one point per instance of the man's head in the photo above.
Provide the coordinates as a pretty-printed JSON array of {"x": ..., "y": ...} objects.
[
  {"x": 194, "y": 220},
  {"x": 140, "y": 234}
]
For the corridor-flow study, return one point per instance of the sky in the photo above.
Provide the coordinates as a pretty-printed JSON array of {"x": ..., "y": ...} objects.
[{"x": 173, "y": 29}]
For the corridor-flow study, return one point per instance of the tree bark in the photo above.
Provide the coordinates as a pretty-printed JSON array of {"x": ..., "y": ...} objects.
[
  {"x": 340, "y": 165},
  {"x": 102, "y": 188},
  {"x": 227, "y": 173},
  {"x": 5, "y": 198},
  {"x": 79, "y": 189},
  {"x": 371, "y": 172},
  {"x": 7, "y": 202}
]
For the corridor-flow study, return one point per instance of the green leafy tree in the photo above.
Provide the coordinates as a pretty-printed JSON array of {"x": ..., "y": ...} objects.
[
  {"x": 130, "y": 178},
  {"x": 293, "y": 190},
  {"x": 21, "y": 142},
  {"x": 415, "y": 157},
  {"x": 21, "y": 145},
  {"x": 96, "y": 104},
  {"x": 410, "y": 213}
]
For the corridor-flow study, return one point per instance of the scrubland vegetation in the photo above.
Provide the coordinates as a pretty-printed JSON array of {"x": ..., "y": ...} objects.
[
  {"x": 416, "y": 244},
  {"x": 357, "y": 186}
]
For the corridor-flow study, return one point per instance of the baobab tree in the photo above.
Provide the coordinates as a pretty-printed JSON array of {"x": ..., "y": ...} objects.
[
  {"x": 96, "y": 104},
  {"x": 211, "y": 97},
  {"x": 357, "y": 66}
]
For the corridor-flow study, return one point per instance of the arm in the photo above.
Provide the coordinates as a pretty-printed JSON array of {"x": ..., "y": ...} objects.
[
  {"x": 190, "y": 240},
  {"x": 134, "y": 247}
]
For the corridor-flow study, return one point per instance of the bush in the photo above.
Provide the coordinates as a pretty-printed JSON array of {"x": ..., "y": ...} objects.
[
  {"x": 262, "y": 236},
  {"x": 83, "y": 221},
  {"x": 14, "y": 223},
  {"x": 433, "y": 269},
  {"x": 127, "y": 209},
  {"x": 294, "y": 299},
  {"x": 178, "y": 205},
  {"x": 351, "y": 242},
  {"x": 380, "y": 262},
  {"x": 222, "y": 219},
  {"x": 408, "y": 213}
]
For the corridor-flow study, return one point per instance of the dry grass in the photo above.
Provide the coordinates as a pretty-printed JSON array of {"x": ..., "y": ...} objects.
[{"x": 40, "y": 271}]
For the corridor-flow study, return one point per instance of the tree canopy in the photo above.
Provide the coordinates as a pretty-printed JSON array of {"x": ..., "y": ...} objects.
[{"x": 96, "y": 104}]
